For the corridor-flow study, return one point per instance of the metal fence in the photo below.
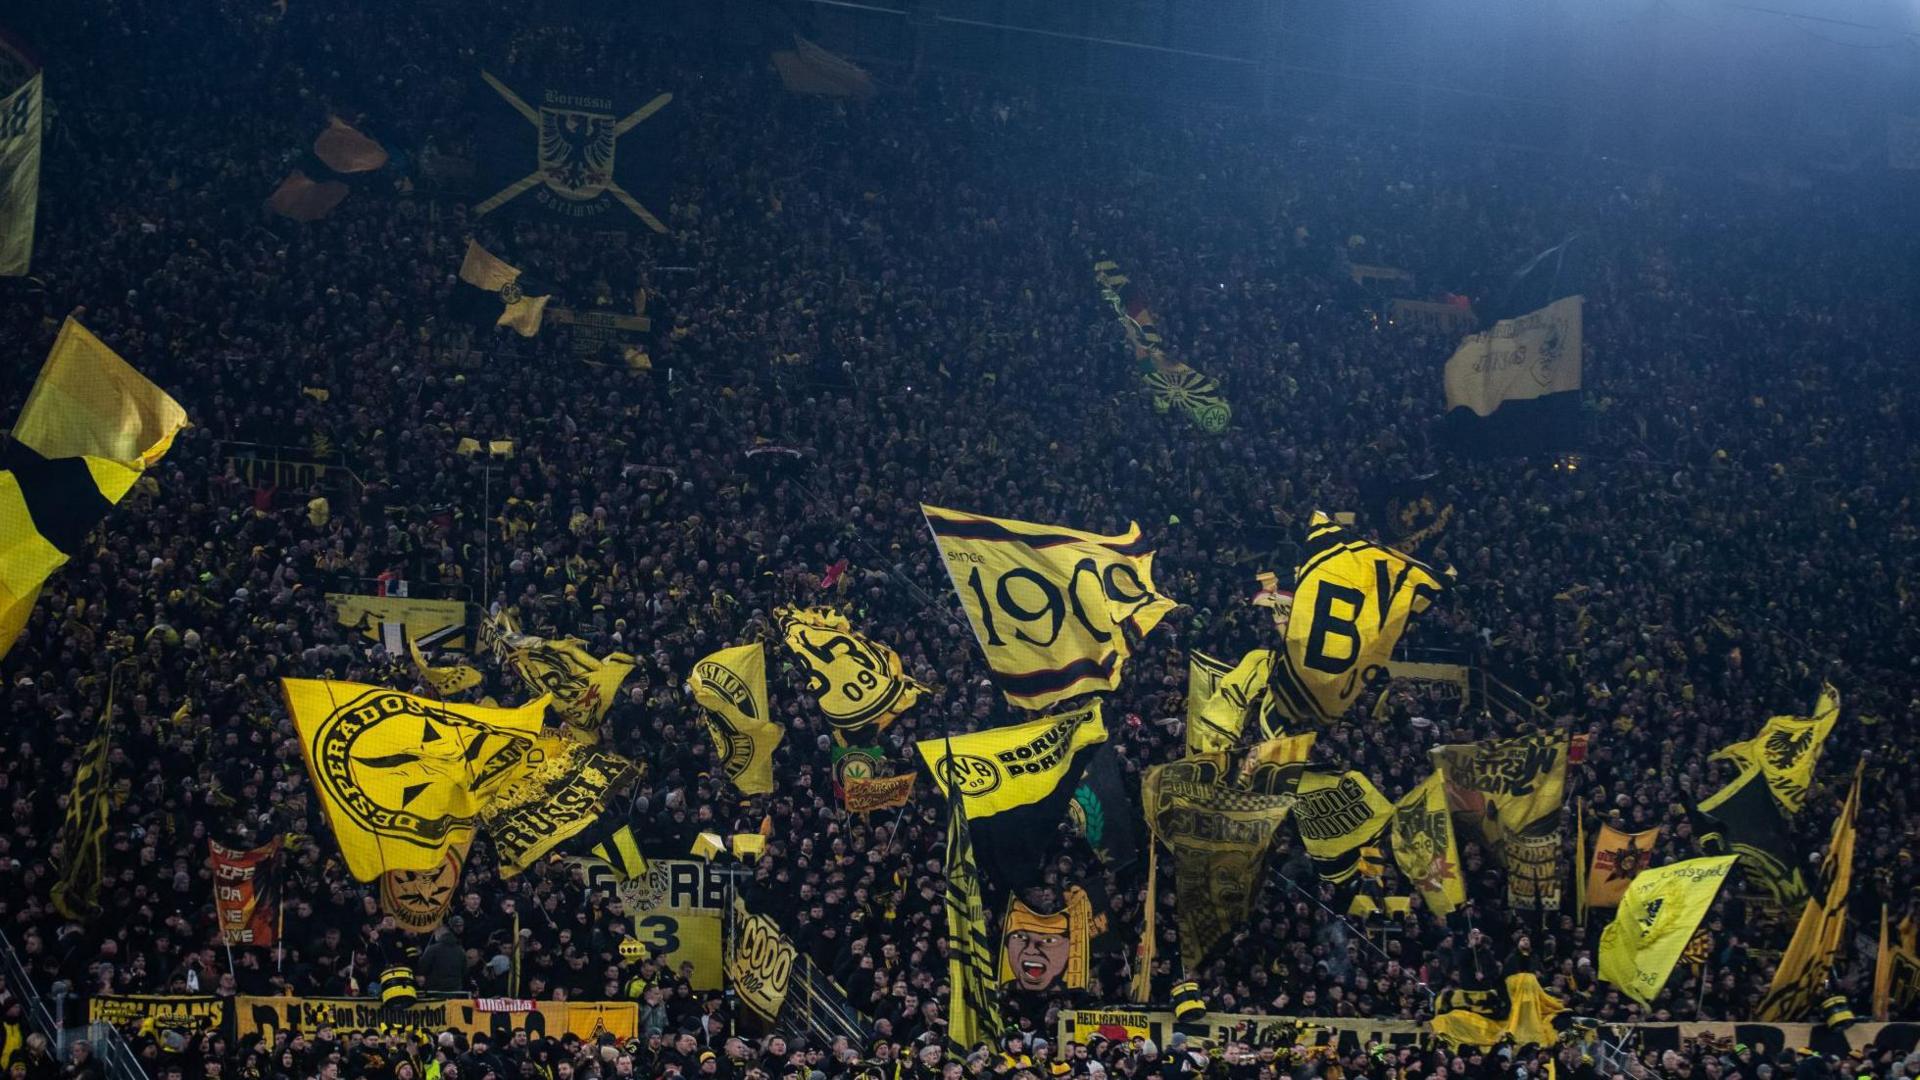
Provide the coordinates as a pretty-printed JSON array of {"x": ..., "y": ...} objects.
[{"x": 109, "y": 1046}]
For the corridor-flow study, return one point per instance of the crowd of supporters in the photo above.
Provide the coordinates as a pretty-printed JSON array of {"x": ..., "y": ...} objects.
[{"x": 901, "y": 291}]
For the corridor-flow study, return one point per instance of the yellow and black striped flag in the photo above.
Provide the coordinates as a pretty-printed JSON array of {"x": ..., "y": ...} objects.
[
  {"x": 1801, "y": 978},
  {"x": 91, "y": 424},
  {"x": 83, "y": 835},
  {"x": 973, "y": 1010}
]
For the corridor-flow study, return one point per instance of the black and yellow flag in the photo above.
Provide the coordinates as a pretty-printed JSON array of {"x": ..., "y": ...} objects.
[
  {"x": 1801, "y": 979},
  {"x": 1053, "y": 608},
  {"x": 583, "y": 685},
  {"x": 1522, "y": 781},
  {"x": 523, "y": 313},
  {"x": 1236, "y": 694},
  {"x": 858, "y": 683},
  {"x": 418, "y": 900},
  {"x": 1787, "y": 749},
  {"x": 1744, "y": 819},
  {"x": 1339, "y": 814},
  {"x": 973, "y": 1007},
  {"x": 90, "y": 425},
  {"x": 1658, "y": 914},
  {"x": 20, "y": 125},
  {"x": 731, "y": 685},
  {"x": 1520, "y": 1012},
  {"x": 1352, "y": 600},
  {"x": 560, "y": 794},
  {"x": 759, "y": 962},
  {"x": 1618, "y": 857},
  {"x": 1424, "y": 847},
  {"x": 1219, "y": 833},
  {"x": 404, "y": 779},
  {"x": 1016, "y": 782},
  {"x": 443, "y": 680},
  {"x": 83, "y": 834},
  {"x": 572, "y": 154}
]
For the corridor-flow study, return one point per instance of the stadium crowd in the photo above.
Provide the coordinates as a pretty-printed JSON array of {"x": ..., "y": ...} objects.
[{"x": 900, "y": 290}]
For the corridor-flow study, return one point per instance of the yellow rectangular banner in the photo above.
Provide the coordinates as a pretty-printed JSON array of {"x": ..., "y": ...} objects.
[
  {"x": 269, "y": 1016},
  {"x": 187, "y": 1013}
]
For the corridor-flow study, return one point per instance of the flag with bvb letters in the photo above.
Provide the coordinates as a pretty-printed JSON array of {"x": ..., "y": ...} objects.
[
  {"x": 1787, "y": 749},
  {"x": 1054, "y": 609},
  {"x": 403, "y": 779},
  {"x": 1657, "y": 917},
  {"x": 1352, "y": 599},
  {"x": 731, "y": 685},
  {"x": 859, "y": 684}
]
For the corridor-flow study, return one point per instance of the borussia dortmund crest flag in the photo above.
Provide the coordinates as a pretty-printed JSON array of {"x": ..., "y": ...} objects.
[
  {"x": 973, "y": 1008},
  {"x": 1786, "y": 750},
  {"x": 1351, "y": 603},
  {"x": 1016, "y": 782},
  {"x": 1658, "y": 914},
  {"x": 403, "y": 779},
  {"x": 575, "y": 155},
  {"x": 20, "y": 126},
  {"x": 523, "y": 313},
  {"x": 83, "y": 835},
  {"x": 90, "y": 424},
  {"x": 731, "y": 685},
  {"x": 1801, "y": 978},
  {"x": 1053, "y": 608},
  {"x": 1339, "y": 814},
  {"x": 858, "y": 683},
  {"x": 1618, "y": 858},
  {"x": 1424, "y": 848}
]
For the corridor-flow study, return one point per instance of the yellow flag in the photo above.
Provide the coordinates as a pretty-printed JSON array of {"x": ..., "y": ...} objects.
[
  {"x": 560, "y": 795},
  {"x": 1351, "y": 603},
  {"x": 404, "y": 779},
  {"x": 444, "y": 680},
  {"x": 731, "y": 685},
  {"x": 1203, "y": 681},
  {"x": 1882, "y": 971},
  {"x": 1424, "y": 847},
  {"x": 1528, "y": 357},
  {"x": 1657, "y": 917},
  {"x": 88, "y": 402},
  {"x": 83, "y": 833},
  {"x": 857, "y": 682},
  {"x": 1801, "y": 979},
  {"x": 1787, "y": 749},
  {"x": 1338, "y": 814},
  {"x": 1618, "y": 857},
  {"x": 1239, "y": 693},
  {"x": 583, "y": 685},
  {"x": 1051, "y": 607},
  {"x": 20, "y": 127},
  {"x": 1523, "y": 779},
  {"x": 1006, "y": 768},
  {"x": 484, "y": 270},
  {"x": 1521, "y": 1012},
  {"x": 91, "y": 423}
]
